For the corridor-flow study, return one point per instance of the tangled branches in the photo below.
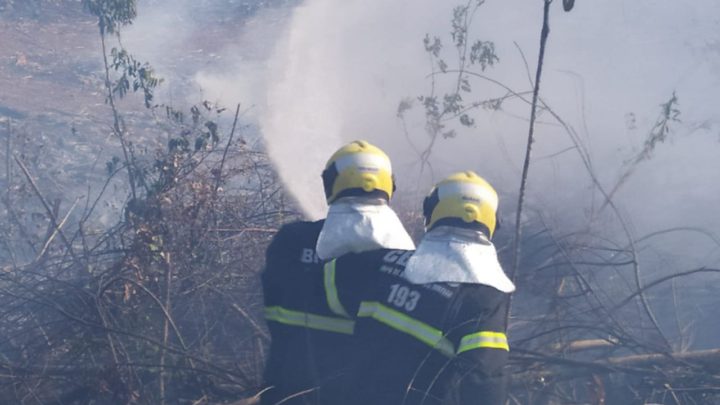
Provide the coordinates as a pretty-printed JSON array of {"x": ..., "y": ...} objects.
[{"x": 159, "y": 308}]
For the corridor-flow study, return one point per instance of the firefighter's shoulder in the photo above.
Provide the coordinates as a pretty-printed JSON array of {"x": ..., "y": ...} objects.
[
  {"x": 480, "y": 305},
  {"x": 296, "y": 234},
  {"x": 294, "y": 243},
  {"x": 359, "y": 274},
  {"x": 482, "y": 296},
  {"x": 300, "y": 230},
  {"x": 375, "y": 259}
]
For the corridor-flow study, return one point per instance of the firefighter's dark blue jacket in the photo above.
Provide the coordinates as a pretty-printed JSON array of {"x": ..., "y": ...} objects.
[
  {"x": 418, "y": 343},
  {"x": 306, "y": 335}
]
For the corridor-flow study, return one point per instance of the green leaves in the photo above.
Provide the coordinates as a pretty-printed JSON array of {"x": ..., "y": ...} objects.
[
  {"x": 112, "y": 14},
  {"x": 669, "y": 113},
  {"x": 471, "y": 59},
  {"x": 459, "y": 26},
  {"x": 135, "y": 75},
  {"x": 452, "y": 103},
  {"x": 112, "y": 165},
  {"x": 178, "y": 145},
  {"x": 208, "y": 137},
  {"x": 660, "y": 132},
  {"x": 466, "y": 120},
  {"x": 432, "y": 46},
  {"x": 483, "y": 52}
]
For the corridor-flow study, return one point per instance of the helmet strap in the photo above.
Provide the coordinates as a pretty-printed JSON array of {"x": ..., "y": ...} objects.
[
  {"x": 429, "y": 204},
  {"x": 459, "y": 223},
  {"x": 329, "y": 176}
]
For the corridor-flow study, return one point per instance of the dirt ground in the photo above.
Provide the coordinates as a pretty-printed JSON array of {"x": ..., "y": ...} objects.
[
  {"x": 49, "y": 64},
  {"x": 53, "y": 113}
]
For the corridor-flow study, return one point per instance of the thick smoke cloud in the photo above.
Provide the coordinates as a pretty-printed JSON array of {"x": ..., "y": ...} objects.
[
  {"x": 325, "y": 72},
  {"x": 343, "y": 68},
  {"x": 215, "y": 50}
]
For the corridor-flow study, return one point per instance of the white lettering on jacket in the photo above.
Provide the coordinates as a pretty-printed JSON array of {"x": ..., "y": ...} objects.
[
  {"x": 399, "y": 257},
  {"x": 309, "y": 256}
]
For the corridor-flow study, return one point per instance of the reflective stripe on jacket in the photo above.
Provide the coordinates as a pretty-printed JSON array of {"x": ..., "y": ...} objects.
[{"x": 418, "y": 343}]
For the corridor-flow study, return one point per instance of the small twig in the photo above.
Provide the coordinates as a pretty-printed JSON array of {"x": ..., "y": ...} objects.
[
  {"x": 157, "y": 301},
  {"x": 8, "y": 165},
  {"x": 47, "y": 209},
  {"x": 643, "y": 300},
  {"x": 708, "y": 234},
  {"x": 166, "y": 326},
  {"x": 660, "y": 281},
  {"x": 250, "y": 319},
  {"x": 511, "y": 91},
  {"x": 55, "y": 232},
  {"x": 21, "y": 228},
  {"x": 91, "y": 208},
  {"x": 672, "y": 393},
  {"x": 297, "y": 394},
  {"x": 525, "y": 62},
  {"x": 218, "y": 176}
]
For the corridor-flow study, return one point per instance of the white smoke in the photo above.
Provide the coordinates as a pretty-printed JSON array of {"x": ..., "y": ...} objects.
[
  {"x": 344, "y": 66},
  {"x": 327, "y": 72}
]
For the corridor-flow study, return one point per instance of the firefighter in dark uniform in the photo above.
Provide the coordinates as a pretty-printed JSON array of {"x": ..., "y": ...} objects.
[
  {"x": 430, "y": 323},
  {"x": 358, "y": 185}
]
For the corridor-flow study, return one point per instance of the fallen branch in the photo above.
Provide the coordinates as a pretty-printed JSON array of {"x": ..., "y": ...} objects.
[
  {"x": 644, "y": 364},
  {"x": 706, "y": 358},
  {"x": 582, "y": 345},
  {"x": 49, "y": 210},
  {"x": 55, "y": 232}
]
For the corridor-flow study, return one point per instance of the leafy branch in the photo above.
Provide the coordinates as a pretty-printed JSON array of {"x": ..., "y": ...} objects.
[{"x": 471, "y": 57}]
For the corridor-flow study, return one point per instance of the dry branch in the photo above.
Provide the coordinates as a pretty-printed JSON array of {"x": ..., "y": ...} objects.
[
  {"x": 705, "y": 358},
  {"x": 582, "y": 345},
  {"x": 49, "y": 210},
  {"x": 551, "y": 368}
]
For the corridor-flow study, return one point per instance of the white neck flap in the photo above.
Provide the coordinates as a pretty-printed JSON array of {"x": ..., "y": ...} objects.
[
  {"x": 454, "y": 255},
  {"x": 353, "y": 225}
]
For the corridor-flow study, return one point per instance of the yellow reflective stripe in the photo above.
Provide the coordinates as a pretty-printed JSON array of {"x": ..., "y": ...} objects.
[
  {"x": 399, "y": 321},
  {"x": 331, "y": 291},
  {"x": 308, "y": 320},
  {"x": 484, "y": 339}
]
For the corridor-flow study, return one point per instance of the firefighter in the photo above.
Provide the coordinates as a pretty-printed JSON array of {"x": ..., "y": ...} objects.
[
  {"x": 358, "y": 185},
  {"x": 430, "y": 325}
]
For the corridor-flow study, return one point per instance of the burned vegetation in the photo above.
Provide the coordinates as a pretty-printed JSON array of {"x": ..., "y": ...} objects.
[{"x": 140, "y": 286}]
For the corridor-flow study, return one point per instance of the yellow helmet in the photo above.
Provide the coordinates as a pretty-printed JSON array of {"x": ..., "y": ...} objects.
[
  {"x": 462, "y": 199},
  {"x": 358, "y": 169}
]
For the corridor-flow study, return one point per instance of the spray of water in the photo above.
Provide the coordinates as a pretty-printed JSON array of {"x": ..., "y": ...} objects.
[
  {"x": 325, "y": 72},
  {"x": 342, "y": 69}
]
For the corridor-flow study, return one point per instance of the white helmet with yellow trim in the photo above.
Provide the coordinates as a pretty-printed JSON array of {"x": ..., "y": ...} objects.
[
  {"x": 358, "y": 169},
  {"x": 462, "y": 199}
]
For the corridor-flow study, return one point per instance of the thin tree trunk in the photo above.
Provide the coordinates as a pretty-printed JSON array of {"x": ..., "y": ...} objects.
[
  {"x": 117, "y": 123},
  {"x": 545, "y": 32},
  {"x": 166, "y": 325}
]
